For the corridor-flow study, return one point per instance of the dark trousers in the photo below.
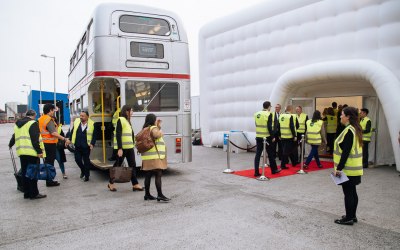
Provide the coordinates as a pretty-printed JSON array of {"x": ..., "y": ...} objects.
[
  {"x": 313, "y": 153},
  {"x": 350, "y": 199},
  {"x": 30, "y": 186},
  {"x": 270, "y": 152},
  {"x": 278, "y": 143},
  {"x": 289, "y": 151},
  {"x": 83, "y": 161},
  {"x": 330, "y": 138},
  {"x": 130, "y": 157},
  {"x": 365, "y": 153},
  {"x": 51, "y": 151}
]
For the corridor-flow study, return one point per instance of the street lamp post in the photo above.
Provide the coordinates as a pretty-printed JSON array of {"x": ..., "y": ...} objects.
[
  {"x": 54, "y": 74},
  {"x": 30, "y": 92},
  {"x": 40, "y": 84}
]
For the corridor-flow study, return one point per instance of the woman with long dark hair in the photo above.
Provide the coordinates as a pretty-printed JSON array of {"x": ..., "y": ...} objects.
[
  {"x": 154, "y": 161},
  {"x": 123, "y": 142},
  {"x": 347, "y": 158},
  {"x": 315, "y": 135}
]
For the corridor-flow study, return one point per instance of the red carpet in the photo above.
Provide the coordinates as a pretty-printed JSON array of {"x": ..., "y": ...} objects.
[{"x": 285, "y": 172}]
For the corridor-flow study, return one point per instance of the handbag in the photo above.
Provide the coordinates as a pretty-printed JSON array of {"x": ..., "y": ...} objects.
[
  {"x": 40, "y": 171},
  {"x": 144, "y": 141},
  {"x": 121, "y": 174}
]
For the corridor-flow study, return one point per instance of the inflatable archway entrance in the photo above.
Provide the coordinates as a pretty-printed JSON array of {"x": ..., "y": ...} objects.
[{"x": 384, "y": 82}]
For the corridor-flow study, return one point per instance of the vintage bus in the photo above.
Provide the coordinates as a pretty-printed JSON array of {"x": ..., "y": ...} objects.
[{"x": 134, "y": 55}]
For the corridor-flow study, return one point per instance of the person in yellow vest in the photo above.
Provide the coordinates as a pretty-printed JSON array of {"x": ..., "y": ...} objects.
[
  {"x": 30, "y": 148},
  {"x": 315, "y": 135},
  {"x": 365, "y": 123},
  {"x": 154, "y": 161},
  {"x": 347, "y": 159},
  {"x": 264, "y": 128},
  {"x": 302, "y": 118},
  {"x": 60, "y": 153},
  {"x": 114, "y": 123},
  {"x": 335, "y": 108},
  {"x": 288, "y": 124},
  {"x": 83, "y": 137},
  {"x": 331, "y": 125},
  {"x": 50, "y": 137},
  {"x": 124, "y": 142}
]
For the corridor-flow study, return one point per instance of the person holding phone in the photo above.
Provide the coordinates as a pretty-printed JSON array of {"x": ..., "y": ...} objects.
[
  {"x": 154, "y": 161},
  {"x": 347, "y": 158}
]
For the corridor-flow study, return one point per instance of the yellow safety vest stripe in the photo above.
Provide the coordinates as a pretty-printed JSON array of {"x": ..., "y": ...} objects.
[
  {"x": 89, "y": 130},
  {"x": 284, "y": 123},
  {"x": 152, "y": 154},
  {"x": 126, "y": 137},
  {"x": 353, "y": 165},
  {"x": 363, "y": 123},
  {"x": 314, "y": 132},
  {"x": 331, "y": 124},
  {"x": 23, "y": 142},
  {"x": 261, "y": 120},
  {"x": 302, "y": 123}
]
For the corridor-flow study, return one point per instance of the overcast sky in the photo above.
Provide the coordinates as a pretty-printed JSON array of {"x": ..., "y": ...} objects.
[{"x": 30, "y": 28}]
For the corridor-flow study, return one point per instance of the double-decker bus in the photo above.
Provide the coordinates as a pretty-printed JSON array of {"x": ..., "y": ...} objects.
[{"x": 134, "y": 55}]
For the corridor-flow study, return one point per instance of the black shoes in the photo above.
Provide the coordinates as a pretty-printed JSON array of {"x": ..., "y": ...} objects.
[
  {"x": 149, "y": 197},
  {"x": 52, "y": 184},
  {"x": 86, "y": 179},
  {"x": 82, "y": 175},
  {"x": 277, "y": 171},
  {"x": 355, "y": 220},
  {"x": 344, "y": 221},
  {"x": 320, "y": 166},
  {"x": 39, "y": 196},
  {"x": 163, "y": 198},
  {"x": 257, "y": 174},
  {"x": 284, "y": 167}
]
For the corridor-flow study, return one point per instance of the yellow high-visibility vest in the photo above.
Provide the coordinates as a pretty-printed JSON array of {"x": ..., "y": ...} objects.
[
  {"x": 115, "y": 117},
  {"x": 152, "y": 154},
  {"x": 89, "y": 130},
  {"x": 314, "y": 132},
  {"x": 353, "y": 165},
  {"x": 59, "y": 129},
  {"x": 261, "y": 120},
  {"x": 331, "y": 124},
  {"x": 127, "y": 141},
  {"x": 302, "y": 123},
  {"x": 23, "y": 142},
  {"x": 284, "y": 123},
  {"x": 363, "y": 123}
]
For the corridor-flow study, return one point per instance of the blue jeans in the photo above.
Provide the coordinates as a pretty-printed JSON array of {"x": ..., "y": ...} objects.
[
  {"x": 60, "y": 163},
  {"x": 313, "y": 153}
]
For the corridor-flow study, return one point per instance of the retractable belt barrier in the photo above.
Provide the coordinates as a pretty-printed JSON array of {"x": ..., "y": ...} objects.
[{"x": 301, "y": 171}]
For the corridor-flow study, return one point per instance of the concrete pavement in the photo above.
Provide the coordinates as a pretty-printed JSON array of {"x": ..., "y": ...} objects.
[{"x": 209, "y": 210}]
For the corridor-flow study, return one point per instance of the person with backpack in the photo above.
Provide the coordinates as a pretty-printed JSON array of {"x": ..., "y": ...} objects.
[
  {"x": 124, "y": 143},
  {"x": 154, "y": 160}
]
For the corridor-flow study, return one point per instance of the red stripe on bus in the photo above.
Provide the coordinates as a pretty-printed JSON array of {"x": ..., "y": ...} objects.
[{"x": 140, "y": 74}]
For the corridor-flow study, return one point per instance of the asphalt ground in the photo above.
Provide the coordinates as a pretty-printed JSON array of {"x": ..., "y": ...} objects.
[{"x": 208, "y": 210}]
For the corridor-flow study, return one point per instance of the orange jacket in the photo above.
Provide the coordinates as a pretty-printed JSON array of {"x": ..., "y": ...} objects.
[{"x": 46, "y": 136}]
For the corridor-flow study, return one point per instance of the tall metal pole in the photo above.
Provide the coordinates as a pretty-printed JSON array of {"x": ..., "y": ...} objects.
[
  {"x": 228, "y": 158},
  {"x": 263, "y": 177},
  {"x": 40, "y": 86},
  {"x": 301, "y": 171}
]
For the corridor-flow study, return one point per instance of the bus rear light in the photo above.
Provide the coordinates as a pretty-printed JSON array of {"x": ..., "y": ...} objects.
[{"x": 178, "y": 145}]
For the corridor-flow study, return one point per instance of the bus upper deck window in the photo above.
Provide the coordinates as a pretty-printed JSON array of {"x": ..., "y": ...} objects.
[{"x": 144, "y": 25}]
